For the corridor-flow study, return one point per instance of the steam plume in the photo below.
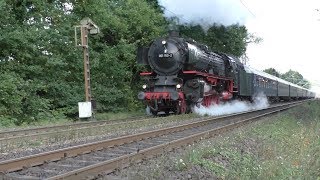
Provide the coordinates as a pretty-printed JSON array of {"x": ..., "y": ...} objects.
[
  {"x": 260, "y": 101},
  {"x": 207, "y": 12}
]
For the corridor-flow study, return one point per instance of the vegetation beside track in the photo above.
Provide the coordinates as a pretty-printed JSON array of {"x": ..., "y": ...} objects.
[{"x": 283, "y": 146}]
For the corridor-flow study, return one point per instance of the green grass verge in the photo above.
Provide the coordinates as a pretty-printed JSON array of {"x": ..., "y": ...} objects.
[{"x": 284, "y": 146}]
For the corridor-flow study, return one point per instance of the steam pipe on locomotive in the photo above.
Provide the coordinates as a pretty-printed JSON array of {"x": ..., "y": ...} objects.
[{"x": 183, "y": 74}]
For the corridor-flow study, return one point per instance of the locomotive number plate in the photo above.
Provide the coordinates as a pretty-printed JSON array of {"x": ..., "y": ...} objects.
[{"x": 166, "y": 55}]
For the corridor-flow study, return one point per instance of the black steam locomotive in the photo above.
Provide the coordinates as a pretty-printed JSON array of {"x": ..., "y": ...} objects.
[{"x": 186, "y": 73}]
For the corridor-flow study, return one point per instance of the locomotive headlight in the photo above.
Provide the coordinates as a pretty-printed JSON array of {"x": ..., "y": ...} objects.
[
  {"x": 178, "y": 86},
  {"x": 164, "y": 42},
  {"x": 144, "y": 86}
]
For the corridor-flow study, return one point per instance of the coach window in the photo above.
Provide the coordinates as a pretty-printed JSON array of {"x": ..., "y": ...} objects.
[
  {"x": 267, "y": 83},
  {"x": 260, "y": 82}
]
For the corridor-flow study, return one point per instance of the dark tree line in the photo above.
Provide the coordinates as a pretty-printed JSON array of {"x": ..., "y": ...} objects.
[
  {"x": 228, "y": 39},
  {"x": 290, "y": 76}
]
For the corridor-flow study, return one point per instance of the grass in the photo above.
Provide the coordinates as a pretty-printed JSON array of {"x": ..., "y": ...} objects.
[{"x": 284, "y": 146}]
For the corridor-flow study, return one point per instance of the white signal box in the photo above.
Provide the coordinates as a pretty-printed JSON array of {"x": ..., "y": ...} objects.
[{"x": 85, "y": 109}]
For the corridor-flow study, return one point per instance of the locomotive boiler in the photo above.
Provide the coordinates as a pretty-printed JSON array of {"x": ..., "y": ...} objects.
[{"x": 183, "y": 73}]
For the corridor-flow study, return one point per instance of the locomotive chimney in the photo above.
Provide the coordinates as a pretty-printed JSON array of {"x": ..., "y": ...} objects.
[
  {"x": 173, "y": 30},
  {"x": 174, "y": 33}
]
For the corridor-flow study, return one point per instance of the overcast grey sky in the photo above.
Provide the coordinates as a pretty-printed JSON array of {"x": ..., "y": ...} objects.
[
  {"x": 291, "y": 33},
  {"x": 290, "y": 30},
  {"x": 206, "y": 12}
]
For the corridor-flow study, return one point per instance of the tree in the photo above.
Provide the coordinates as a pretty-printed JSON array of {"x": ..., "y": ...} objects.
[
  {"x": 296, "y": 78},
  {"x": 44, "y": 69},
  {"x": 195, "y": 32},
  {"x": 231, "y": 39},
  {"x": 291, "y": 76},
  {"x": 156, "y": 5},
  {"x": 37, "y": 50},
  {"x": 272, "y": 71}
]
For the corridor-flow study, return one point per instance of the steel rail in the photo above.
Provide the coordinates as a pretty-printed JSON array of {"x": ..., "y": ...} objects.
[
  {"x": 7, "y": 140},
  {"x": 19, "y": 163},
  {"x": 26, "y": 131}
]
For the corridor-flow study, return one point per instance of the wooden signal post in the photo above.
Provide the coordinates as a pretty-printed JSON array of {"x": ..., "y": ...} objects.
[{"x": 87, "y": 26}]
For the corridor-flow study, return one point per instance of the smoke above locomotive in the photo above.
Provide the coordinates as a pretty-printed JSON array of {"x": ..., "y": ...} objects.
[{"x": 207, "y": 12}]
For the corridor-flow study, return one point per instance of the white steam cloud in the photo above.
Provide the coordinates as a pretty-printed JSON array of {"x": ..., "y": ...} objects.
[
  {"x": 207, "y": 12},
  {"x": 260, "y": 101}
]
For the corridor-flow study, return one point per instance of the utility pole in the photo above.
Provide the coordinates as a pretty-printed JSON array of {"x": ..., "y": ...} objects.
[{"x": 87, "y": 26}]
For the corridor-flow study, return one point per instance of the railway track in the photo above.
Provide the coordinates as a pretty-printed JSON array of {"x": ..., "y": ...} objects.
[
  {"x": 30, "y": 131},
  {"x": 31, "y": 136},
  {"x": 7, "y": 137},
  {"x": 88, "y": 160}
]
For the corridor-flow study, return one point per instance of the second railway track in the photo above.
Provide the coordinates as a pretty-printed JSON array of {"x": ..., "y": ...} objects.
[
  {"x": 88, "y": 160},
  {"x": 46, "y": 129},
  {"x": 21, "y": 136}
]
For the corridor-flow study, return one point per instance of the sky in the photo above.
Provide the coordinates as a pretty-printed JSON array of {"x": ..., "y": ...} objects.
[
  {"x": 290, "y": 30},
  {"x": 291, "y": 36}
]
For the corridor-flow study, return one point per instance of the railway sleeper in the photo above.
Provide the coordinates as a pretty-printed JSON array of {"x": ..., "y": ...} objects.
[
  {"x": 79, "y": 162},
  {"x": 90, "y": 157},
  {"x": 16, "y": 176}
]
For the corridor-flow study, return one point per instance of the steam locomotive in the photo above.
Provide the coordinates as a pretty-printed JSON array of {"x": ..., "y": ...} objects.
[{"x": 185, "y": 73}]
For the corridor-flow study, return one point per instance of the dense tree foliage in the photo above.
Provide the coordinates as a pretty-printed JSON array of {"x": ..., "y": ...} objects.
[
  {"x": 42, "y": 70},
  {"x": 272, "y": 71},
  {"x": 38, "y": 57},
  {"x": 228, "y": 39},
  {"x": 291, "y": 76},
  {"x": 296, "y": 78}
]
